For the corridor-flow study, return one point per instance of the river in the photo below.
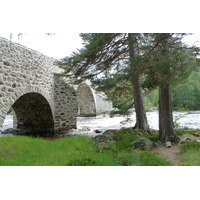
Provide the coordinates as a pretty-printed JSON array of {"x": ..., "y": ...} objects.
[{"x": 89, "y": 125}]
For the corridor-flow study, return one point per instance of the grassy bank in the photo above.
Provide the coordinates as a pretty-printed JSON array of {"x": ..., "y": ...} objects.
[
  {"x": 190, "y": 154},
  {"x": 23, "y": 151},
  {"x": 113, "y": 149},
  {"x": 71, "y": 151}
]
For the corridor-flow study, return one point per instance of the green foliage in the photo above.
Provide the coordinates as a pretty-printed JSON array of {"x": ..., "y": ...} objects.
[
  {"x": 10, "y": 112},
  {"x": 175, "y": 121},
  {"x": 151, "y": 100},
  {"x": 120, "y": 94},
  {"x": 187, "y": 94},
  {"x": 171, "y": 61}
]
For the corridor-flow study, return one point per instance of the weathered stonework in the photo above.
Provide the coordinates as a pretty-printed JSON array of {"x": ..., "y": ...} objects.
[
  {"x": 91, "y": 103},
  {"x": 86, "y": 101},
  {"x": 41, "y": 99},
  {"x": 27, "y": 84},
  {"x": 66, "y": 106},
  {"x": 102, "y": 104}
]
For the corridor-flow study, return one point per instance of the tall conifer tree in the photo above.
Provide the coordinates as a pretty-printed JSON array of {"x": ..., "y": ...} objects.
[
  {"x": 170, "y": 62},
  {"x": 113, "y": 58}
]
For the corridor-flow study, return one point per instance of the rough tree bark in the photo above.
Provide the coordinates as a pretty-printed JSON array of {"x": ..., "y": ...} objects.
[
  {"x": 166, "y": 132},
  {"x": 141, "y": 118},
  {"x": 166, "y": 128}
]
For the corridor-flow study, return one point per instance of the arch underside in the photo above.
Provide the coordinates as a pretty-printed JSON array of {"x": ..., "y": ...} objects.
[
  {"x": 33, "y": 115},
  {"x": 86, "y": 102}
]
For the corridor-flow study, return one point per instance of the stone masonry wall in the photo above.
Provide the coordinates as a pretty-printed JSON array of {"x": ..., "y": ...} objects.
[
  {"x": 24, "y": 71},
  {"x": 66, "y": 106},
  {"x": 28, "y": 83}
]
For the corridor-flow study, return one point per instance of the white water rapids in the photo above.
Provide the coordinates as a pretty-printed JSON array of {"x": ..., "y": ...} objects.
[{"x": 88, "y": 125}]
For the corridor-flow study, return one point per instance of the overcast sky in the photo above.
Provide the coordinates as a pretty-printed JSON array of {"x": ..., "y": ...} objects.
[
  {"x": 63, "y": 44},
  {"x": 57, "y": 46}
]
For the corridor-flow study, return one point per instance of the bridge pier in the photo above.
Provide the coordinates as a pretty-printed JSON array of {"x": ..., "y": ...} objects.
[{"x": 66, "y": 106}]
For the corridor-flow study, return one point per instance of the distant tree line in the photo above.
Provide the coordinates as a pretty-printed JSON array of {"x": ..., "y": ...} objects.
[{"x": 185, "y": 96}]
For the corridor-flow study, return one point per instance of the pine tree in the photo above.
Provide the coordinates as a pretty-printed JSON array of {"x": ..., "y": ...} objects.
[
  {"x": 147, "y": 60},
  {"x": 110, "y": 60},
  {"x": 134, "y": 54},
  {"x": 170, "y": 62}
]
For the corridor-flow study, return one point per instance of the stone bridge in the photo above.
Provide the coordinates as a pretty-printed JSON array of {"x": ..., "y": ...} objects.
[{"x": 41, "y": 99}]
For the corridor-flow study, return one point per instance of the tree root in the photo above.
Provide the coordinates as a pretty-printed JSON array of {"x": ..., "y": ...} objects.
[{"x": 142, "y": 131}]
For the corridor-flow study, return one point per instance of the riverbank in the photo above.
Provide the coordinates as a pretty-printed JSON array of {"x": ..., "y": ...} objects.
[
  {"x": 93, "y": 126},
  {"x": 113, "y": 148}
]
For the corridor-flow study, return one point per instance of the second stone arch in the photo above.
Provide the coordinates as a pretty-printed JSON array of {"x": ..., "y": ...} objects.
[{"x": 90, "y": 102}]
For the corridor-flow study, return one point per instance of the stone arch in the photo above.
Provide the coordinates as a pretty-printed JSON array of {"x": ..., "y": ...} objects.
[
  {"x": 33, "y": 113},
  {"x": 10, "y": 100},
  {"x": 86, "y": 101},
  {"x": 33, "y": 109}
]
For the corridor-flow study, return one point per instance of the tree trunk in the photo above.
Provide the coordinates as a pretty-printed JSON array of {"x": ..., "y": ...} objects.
[
  {"x": 141, "y": 119},
  {"x": 166, "y": 127},
  {"x": 166, "y": 131}
]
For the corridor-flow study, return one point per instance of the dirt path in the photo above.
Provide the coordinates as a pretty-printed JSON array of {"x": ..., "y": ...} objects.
[{"x": 171, "y": 154}]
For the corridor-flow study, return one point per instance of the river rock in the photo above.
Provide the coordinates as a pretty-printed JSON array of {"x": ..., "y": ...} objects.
[
  {"x": 107, "y": 136},
  {"x": 143, "y": 143},
  {"x": 168, "y": 144}
]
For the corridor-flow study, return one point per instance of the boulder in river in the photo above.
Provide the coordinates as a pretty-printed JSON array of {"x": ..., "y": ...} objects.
[{"x": 98, "y": 131}]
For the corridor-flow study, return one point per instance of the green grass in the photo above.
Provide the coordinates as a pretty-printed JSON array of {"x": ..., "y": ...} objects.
[
  {"x": 145, "y": 158},
  {"x": 121, "y": 148},
  {"x": 189, "y": 151},
  {"x": 73, "y": 151},
  {"x": 125, "y": 136},
  {"x": 27, "y": 151},
  {"x": 190, "y": 154}
]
